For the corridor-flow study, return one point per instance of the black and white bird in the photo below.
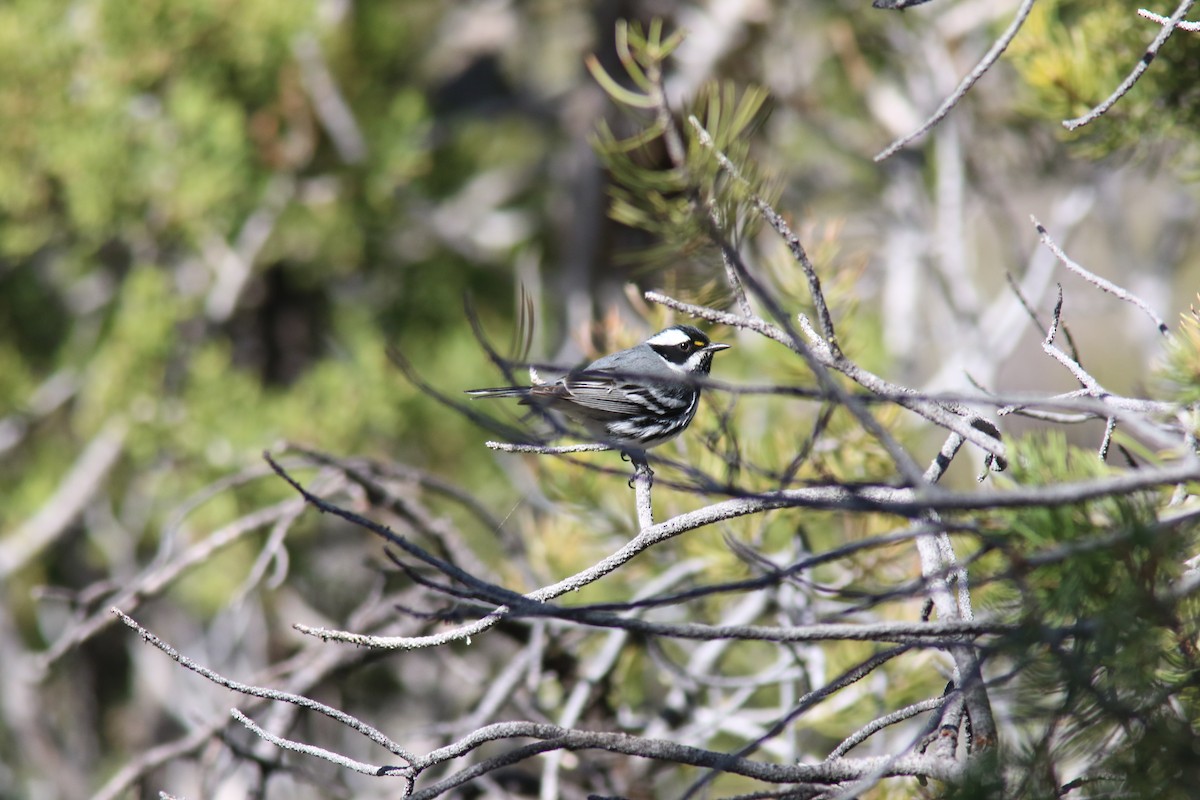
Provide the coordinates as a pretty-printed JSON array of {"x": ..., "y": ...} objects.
[{"x": 633, "y": 399}]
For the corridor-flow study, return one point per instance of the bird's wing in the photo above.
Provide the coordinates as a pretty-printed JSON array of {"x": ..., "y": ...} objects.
[{"x": 601, "y": 395}]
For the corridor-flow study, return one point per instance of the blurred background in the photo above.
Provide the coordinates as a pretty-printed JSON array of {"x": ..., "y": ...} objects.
[{"x": 216, "y": 216}]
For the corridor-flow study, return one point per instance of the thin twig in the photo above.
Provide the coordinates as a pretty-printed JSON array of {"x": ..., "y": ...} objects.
[
  {"x": 876, "y": 725},
  {"x": 1035, "y": 320},
  {"x": 555, "y": 738},
  {"x": 939, "y": 568},
  {"x": 1096, "y": 280},
  {"x": 1085, "y": 379},
  {"x": 600, "y": 665},
  {"x": 896, "y": 5},
  {"x": 463, "y": 409},
  {"x": 903, "y": 461},
  {"x": 122, "y": 784},
  {"x": 74, "y": 492},
  {"x": 847, "y": 678},
  {"x": 925, "y": 634},
  {"x": 1168, "y": 27},
  {"x": 354, "y": 469},
  {"x": 158, "y": 578},
  {"x": 945, "y": 414},
  {"x": 974, "y": 75},
  {"x": 1183, "y": 25},
  {"x": 269, "y": 694},
  {"x": 941, "y": 461},
  {"x": 739, "y": 291},
  {"x": 904, "y": 502},
  {"x": 547, "y": 450},
  {"x": 1109, "y": 428},
  {"x": 300, "y": 674},
  {"x": 379, "y": 771},
  {"x": 335, "y": 114},
  {"x": 776, "y": 221}
]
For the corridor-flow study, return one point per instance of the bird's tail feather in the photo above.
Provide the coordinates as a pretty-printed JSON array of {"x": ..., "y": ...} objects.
[{"x": 501, "y": 391}]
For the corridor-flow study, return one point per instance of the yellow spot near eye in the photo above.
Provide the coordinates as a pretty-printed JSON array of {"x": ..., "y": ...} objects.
[{"x": 698, "y": 344}]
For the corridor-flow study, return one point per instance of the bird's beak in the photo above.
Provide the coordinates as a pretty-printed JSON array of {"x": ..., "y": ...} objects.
[{"x": 715, "y": 346}]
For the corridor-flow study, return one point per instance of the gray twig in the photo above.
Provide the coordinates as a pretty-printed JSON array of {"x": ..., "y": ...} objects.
[
  {"x": 974, "y": 75},
  {"x": 331, "y": 107},
  {"x": 947, "y": 415},
  {"x": 1168, "y": 27},
  {"x": 1096, "y": 280},
  {"x": 808, "y": 701},
  {"x": 269, "y": 694},
  {"x": 547, "y": 450},
  {"x": 776, "y": 221},
  {"x": 554, "y": 737},
  {"x": 903, "y": 502},
  {"x": 1110, "y": 427},
  {"x": 1183, "y": 25},
  {"x": 159, "y": 577},
  {"x": 1083, "y": 376},
  {"x": 76, "y": 490},
  {"x": 379, "y": 771},
  {"x": 876, "y": 725}
]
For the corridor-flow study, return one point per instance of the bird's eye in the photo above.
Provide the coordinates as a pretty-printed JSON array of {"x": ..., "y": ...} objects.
[{"x": 685, "y": 346}]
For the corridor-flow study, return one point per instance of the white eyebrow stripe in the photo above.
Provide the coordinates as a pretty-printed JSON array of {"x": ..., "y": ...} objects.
[{"x": 671, "y": 337}]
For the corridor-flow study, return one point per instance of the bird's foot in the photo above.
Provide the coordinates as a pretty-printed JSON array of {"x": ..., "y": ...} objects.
[{"x": 641, "y": 466}]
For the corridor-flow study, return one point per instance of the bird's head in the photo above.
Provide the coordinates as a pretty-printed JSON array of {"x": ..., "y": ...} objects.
[{"x": 685, "y": 349}]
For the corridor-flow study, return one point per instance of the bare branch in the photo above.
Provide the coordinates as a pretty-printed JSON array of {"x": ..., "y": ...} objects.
[
  {"x": 320, "y": 752},
  {"x": 601, "y": 664},
  {"x": 74, "y": 492},
  {"x": 555, "y": 738},
  {"x": 331, "y": 107},
  {"x": 1110, "y": 427},
  {"x": 776, "y": 221},
  {"x": 1096, "y": 280},
  {"x": 739, "y": 291},
  {"x": 119, "y": 785},
  {"x": 159, "y": 577},
  {"x": 904, "y": 502},
  {"x": 896, "y": 5},
  {"x": 547, "y": 450},
  {"x": 974, "y": 75},
  {"x": 1192, "y": 27},
  {"x": 1168, "y": 27},
  {"x": 232, "y": 263},
  {"x": 947, "y": 415},
  {"x": 876, "y": 725},
  {"x": 258, "y": 691}
]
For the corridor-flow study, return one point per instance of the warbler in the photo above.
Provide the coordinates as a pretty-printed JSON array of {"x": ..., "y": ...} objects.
[{"x": 633, "y": 399}]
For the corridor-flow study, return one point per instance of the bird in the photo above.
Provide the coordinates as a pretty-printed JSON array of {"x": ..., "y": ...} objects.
[{"x": 633, "y": 399}]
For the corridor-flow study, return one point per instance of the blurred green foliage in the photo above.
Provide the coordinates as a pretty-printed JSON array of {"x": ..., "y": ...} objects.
[
  {"x": 1180, "y": 369},
  {"x": 144, "y": 143},
  {"x": 1072, "y": 54},
  {"x": 1106, "y": 653}
]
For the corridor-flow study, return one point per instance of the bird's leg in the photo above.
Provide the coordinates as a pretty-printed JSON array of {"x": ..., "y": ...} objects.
[
  {"x": 643, "y": 478},
  {"x": 641, "y": 466}
]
